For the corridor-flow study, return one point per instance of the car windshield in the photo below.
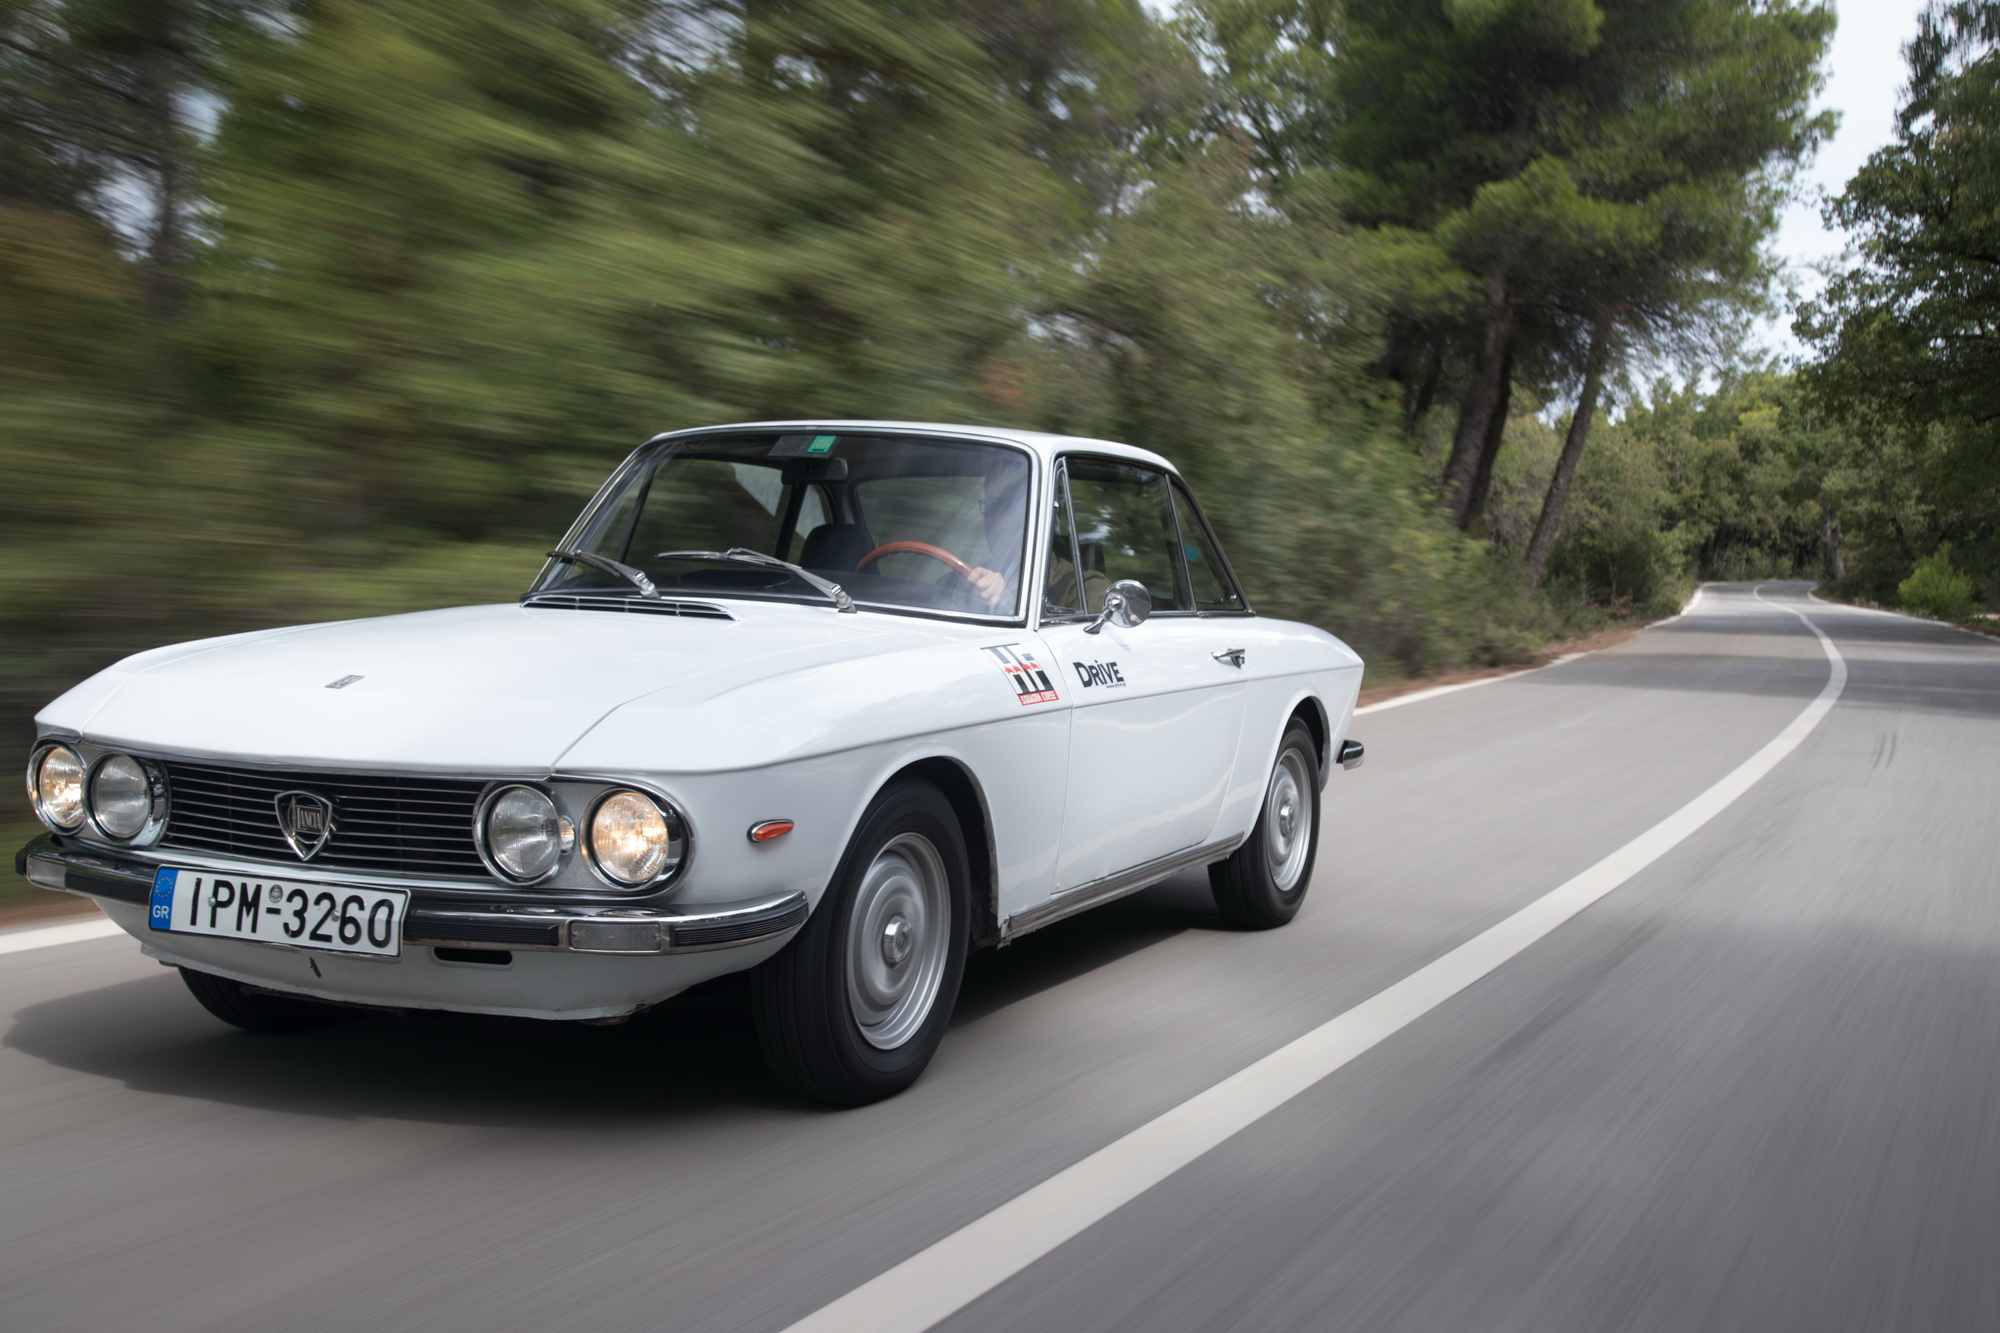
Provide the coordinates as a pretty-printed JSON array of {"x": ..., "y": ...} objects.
[{"x": 900, "y": 521}]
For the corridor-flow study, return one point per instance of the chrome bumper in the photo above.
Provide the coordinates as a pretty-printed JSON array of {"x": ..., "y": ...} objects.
[{"x": 451, "y": 924}]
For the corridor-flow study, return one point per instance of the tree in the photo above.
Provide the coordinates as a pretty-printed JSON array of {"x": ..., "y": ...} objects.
[
  {"x": 1569, "y": 163},
  {"x": 1909, "y": 336},
  {"x": 104, "y": 96}
]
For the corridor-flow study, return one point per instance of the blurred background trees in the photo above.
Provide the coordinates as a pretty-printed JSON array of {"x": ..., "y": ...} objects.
[
  {"x": 1909, "y": 334},
  {"x": 320, "y": 308}
]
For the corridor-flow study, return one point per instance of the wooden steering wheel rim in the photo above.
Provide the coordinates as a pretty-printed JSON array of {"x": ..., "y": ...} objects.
[{"x": 938, "y": 553}]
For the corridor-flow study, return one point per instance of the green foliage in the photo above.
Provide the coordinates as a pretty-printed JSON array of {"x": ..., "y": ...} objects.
[
  {"x": 1935, "y": 589},
  {"x": 329, "y": 310},
  {"x": 1535, "y": 171},
  {"x": 1909, "y": 342}
]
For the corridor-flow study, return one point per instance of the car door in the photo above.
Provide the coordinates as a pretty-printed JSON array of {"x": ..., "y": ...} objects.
[{"x": 1157, "y": 716}]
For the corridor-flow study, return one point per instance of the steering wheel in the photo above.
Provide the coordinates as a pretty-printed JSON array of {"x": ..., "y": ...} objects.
[{"x": 937, "y": 553}]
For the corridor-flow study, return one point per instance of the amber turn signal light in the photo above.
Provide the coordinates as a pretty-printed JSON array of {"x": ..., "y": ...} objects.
[{"x": 769, "y": 829}]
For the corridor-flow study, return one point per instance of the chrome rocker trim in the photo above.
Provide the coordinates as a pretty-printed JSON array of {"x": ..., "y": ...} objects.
[
  {"x": 433, "y": 923},
  {"x": 1101, "y": 891}
]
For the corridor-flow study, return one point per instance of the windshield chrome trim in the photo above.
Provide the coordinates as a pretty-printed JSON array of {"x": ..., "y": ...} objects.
[{"x": 667, "y": 442}]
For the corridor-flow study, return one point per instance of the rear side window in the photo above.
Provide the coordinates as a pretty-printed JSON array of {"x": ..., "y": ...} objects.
[{"x": 1207, "y": 578}]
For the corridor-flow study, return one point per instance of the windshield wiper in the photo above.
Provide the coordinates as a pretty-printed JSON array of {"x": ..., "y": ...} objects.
[
  {"x": 609, "y": 566},
  {"x": 744, "y": 556}
]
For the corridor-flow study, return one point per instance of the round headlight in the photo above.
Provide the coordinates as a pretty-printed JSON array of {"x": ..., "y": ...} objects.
[
  {"x": 121, "y": 796},
  {"x": 56, "y": 783},
  {"x": 525, "y": 834},
  {"x": 632, "y": 840}
]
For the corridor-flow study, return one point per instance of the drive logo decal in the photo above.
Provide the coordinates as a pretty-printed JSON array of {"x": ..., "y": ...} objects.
[
  {"x": 1031, "y": 683},
  {"x": 1106, "y": 674}
]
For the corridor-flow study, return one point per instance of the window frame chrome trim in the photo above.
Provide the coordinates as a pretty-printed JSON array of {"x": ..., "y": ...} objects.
[
  {"x": 1057, "y": 463},
  {"x": 673, "y": 440}
]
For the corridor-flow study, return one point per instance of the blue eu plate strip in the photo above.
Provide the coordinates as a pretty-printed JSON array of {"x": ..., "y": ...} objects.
[{"x": 162, "y": 916}]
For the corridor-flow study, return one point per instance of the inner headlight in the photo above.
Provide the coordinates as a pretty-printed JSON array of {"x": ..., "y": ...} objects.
[
  {"x": 55, "y": 782},
  {"x": 634, "y": 841},
  {"x": 121, "y": 796},
  {"x": 525, "y": 834}
]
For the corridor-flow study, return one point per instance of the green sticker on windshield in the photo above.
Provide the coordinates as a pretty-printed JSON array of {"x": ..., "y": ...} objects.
[{"x": 822, "y": 444}]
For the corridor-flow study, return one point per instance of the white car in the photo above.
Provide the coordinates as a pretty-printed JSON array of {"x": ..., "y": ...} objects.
[{"x": 835, "y": 701}]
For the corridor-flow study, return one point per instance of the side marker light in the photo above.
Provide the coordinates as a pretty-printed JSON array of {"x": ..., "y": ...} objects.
[{"x": 769, "y": 829}]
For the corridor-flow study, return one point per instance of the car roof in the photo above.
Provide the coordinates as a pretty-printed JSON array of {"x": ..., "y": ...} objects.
[{"x": 1038, "y": 442}]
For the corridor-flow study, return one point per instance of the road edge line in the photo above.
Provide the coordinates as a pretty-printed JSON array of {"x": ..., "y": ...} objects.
[
  {"x": 1418, "y": 696},
  {"x": 45, "y": 937}
]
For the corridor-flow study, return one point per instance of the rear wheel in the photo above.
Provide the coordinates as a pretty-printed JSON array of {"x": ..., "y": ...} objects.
[
  {"x": 852, "y": 1010},
  {"x": 1262, "y": 883},
  {"x": 237, "y": 1005}
]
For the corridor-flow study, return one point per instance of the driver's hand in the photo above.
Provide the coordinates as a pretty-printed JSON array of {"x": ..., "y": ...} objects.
[{"x": 989, "y": 584}]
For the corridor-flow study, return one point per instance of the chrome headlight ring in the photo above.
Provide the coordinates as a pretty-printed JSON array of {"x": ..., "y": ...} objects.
[
  {"x": 675, "y": 846},
  {"x": 58, "y": 797},
  {"x": 510, "y": 853},
  {"x": 151, "y": 779}
]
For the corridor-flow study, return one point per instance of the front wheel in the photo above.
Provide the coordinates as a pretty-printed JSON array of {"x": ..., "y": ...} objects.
[
  {"x": 253, "y": 1011},
  {"x": 852, "y": 1010},
  {"x": 1262, "y": 883}
]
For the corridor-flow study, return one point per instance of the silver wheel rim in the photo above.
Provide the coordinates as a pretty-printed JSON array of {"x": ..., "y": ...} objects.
[
  {"x": 1288, "y": 821},
  {"x": 897, "y": 938}
]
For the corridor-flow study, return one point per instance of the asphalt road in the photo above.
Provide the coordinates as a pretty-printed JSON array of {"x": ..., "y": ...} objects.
[{"x": 1755, "y": 1087}]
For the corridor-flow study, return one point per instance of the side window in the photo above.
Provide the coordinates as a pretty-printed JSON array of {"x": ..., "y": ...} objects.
[
  {"x": 1125, "y": 529},
  {"x": 1062, "y": 591},
  {"x": 1208, "y": 580}
]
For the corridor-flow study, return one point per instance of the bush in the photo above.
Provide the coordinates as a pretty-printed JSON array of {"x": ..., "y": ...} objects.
[{"x": 1937, "y": 590}]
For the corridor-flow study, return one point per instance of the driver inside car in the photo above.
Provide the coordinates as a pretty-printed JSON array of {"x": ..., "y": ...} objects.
[{"x": 1003, "y": 509}]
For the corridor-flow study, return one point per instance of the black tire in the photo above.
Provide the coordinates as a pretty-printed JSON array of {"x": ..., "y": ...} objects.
[
  {"x": 812, "y": 1000},
  {"x": 233, "y": 1004},
  {"x": 1262, "y": 883}
]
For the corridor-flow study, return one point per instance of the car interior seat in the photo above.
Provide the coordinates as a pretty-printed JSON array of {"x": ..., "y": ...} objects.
[{"x": 836, "y": 546}]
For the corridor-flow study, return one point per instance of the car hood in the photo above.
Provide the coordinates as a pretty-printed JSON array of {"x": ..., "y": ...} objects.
[{"x": 478, "y": 689}]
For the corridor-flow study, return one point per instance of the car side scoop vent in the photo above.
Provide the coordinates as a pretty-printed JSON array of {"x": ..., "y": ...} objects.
[{"x": 635, "y": 606}]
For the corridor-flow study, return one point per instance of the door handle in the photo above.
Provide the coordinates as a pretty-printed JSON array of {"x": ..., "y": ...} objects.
[{"x": 1233, "y": 656}]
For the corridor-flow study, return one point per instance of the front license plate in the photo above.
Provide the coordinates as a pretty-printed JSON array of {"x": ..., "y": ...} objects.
[{"x": 338, "y": 917}]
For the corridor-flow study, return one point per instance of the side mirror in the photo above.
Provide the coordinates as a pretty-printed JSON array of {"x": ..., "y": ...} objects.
[{"x": 1126, "y": 604}]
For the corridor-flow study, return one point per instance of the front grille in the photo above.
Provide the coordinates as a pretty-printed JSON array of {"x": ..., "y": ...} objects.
[
  {"x": 409, "y": 825},
  {"x": 637, "y": 606}
]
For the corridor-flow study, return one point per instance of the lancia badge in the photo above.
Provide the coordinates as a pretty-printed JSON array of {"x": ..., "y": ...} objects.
[{"x": 306, "y": 820}]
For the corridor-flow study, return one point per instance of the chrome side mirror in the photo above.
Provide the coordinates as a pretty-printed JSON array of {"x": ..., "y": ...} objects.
[{"x": 1126, "y": 604}]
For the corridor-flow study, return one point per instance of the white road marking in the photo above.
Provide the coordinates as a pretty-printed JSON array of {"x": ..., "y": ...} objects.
[
  {"x": 1902, "y": 615},
  {"x": 41, "y": 937},
  {"x": 938, "y": 1280},
  {"x": 1419, "y": 696}
]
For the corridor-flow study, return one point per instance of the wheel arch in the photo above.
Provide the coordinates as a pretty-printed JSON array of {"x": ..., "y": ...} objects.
[
  {"x": 1313, "y": 713},
  {"x": 968, "y": 802}
]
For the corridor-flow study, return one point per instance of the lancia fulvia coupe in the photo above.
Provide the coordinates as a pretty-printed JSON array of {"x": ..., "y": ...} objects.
[{"x": 830, "y": 702}]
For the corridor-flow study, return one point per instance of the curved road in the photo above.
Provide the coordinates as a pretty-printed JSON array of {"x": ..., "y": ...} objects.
[{"x": 1754, "y": 1086}]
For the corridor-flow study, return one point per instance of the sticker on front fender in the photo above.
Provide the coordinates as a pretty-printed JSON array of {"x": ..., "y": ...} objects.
[{"x": 335, "y": 917}]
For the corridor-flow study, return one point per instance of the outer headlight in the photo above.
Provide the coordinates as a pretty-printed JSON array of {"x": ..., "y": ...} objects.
[
  {"x": 121, "y": 796},
  {"x": 523, "y": 833},
  {"x": 634, "y": 840},
  {"x": 55, "y": 784}
]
